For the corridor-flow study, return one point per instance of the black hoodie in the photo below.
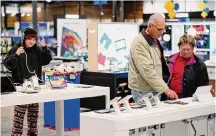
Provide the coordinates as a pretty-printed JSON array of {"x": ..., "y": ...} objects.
[{"x": 36, "y": 57}]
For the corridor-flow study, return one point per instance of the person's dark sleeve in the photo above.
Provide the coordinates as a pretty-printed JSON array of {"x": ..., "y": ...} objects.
[
  {"x": 12, "y": 59},
  {"x": 46, "y": 56},
  {"x": 165, "y": 70},
  {"x": 203, "y": 78}
]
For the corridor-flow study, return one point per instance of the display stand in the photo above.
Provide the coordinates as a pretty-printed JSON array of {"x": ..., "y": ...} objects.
[
  {"x": 58, "y": 95},
  {"x": 125, "y": 102},
  {"x": 211, "y": 68},
  {"x": 103, "y": 78},
  {"x": 203, "y": 94},
  {"x": 115, "y": 105},
  {"x": 71, "y": 112},
  {"x": 150, "y": 122}
]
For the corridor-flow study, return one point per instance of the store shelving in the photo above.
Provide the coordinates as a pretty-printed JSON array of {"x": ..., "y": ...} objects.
[{"x": 6, "y": 45}]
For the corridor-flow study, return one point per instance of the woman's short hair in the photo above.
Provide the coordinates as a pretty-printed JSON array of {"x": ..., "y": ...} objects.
[{"x": 187, "y": 39}]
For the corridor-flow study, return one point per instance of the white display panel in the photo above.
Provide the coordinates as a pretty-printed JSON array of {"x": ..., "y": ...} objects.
[
  {"x": 213, "y": 42},
  {"x": 177, "y": 32},
  {"x": 213, "y": 46},
  {"x": 114, "y": 41},
  {"x": 71, "y": 36}
]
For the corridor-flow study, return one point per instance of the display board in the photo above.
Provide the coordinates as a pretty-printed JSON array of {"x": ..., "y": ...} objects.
[
  {"x": 114, "y": 41},
  {"x": 71, "y": 36},
  {"x": 204, "y": 33}
]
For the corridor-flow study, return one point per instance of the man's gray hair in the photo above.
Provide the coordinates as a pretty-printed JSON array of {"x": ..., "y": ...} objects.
[{"x": 154, "y": 18}]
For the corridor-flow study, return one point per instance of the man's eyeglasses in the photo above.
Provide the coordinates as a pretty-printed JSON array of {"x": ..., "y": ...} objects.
[{"x": 159, "y": 29}]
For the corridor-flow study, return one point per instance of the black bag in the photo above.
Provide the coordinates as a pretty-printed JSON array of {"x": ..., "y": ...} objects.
[{"x": 7, "y": 84}]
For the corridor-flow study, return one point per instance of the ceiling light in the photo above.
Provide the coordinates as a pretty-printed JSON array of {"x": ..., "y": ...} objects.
[
  {"x": 72, "y": 16},
  {"x": 48, "y": 1},
  {"x": 13, "y": 14},
  {"x": 215, "y": 13},
  {"x": 3, "y": 14},
  {"x": 101, "y": 13},
  {"x": 23, "y": 14},
  {"x": 23, "y": 9}
]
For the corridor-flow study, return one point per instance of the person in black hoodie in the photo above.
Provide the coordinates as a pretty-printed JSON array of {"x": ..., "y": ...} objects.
[{"x": 15, "y": 61}]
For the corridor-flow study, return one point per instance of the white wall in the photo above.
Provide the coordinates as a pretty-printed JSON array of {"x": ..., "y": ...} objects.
[{"x": 156, "y": 6}]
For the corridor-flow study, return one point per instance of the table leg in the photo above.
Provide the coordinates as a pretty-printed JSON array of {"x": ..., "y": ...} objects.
[
  {"x": 107, "y": 99},
  {"x": 59, "y": 107},
  {"x": 211, "y": 127}
]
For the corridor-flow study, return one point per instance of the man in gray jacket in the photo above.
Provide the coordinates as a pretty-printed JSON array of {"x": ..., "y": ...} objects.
[{"x": 147, "y": 62}]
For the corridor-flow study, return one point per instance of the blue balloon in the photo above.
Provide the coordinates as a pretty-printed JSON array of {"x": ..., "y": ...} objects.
[
  {"x": 205, "y": 1},
  {"x": 176, "y": 6},
  {"x": 206, "y": 10}
]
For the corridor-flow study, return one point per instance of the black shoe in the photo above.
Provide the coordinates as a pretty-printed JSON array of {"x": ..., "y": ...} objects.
[{"x": 32, "y": 134}]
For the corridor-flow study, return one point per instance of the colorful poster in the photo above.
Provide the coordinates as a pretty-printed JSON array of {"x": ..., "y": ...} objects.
[
  {"x": 72, "y": 35},
  {"x": 114, "y": 41},
  {"x": 202, "y": 34}
]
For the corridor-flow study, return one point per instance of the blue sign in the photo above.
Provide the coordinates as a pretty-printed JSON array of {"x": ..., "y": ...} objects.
[
  {"x": 41, "y": 25},
  {"x": 100, "y": 2}
]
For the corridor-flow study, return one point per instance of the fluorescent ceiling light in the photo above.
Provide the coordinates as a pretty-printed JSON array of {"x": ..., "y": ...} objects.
[
  {"x": 28, "y": 9},
  {"x": 72, "y": 16},
  {"x": 48, "y": 0},
  {"x": 11, "y": 9}
]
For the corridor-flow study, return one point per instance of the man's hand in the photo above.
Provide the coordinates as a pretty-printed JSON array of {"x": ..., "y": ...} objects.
[
  {"x": 171, "y": 94},
  {"x": 42, "y": 42},
  {"x": 20, "y": 50}
]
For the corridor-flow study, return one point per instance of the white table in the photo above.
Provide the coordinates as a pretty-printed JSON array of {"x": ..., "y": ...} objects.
[
  {"x": 58, "y": 95},
  {"x": 114, "y": 125}
]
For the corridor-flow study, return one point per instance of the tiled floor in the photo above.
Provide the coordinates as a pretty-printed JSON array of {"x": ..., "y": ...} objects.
[{"x": 6, "y": 124}]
